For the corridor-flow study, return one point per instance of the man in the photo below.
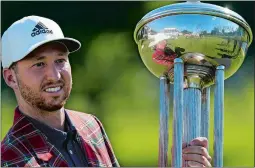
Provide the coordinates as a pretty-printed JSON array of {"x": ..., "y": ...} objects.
[
  {"x": 163, "y": 54},
  {"x": 36, "y": 66}
]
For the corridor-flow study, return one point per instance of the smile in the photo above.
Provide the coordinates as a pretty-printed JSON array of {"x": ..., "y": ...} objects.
[{"x": 53, "y": 89}]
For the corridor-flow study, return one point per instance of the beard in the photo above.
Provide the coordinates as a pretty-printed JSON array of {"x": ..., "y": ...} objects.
[{"x": 37, "y": 100}]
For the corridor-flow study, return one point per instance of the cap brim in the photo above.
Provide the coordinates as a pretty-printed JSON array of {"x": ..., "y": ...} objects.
[{"x": 71, "y": 44}]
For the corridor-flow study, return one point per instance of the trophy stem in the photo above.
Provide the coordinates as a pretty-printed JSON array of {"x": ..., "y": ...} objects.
[
  {"x": 192, "y": 114},
  {"x": 178, "y": 113},
  {"x": 218, "y": 116},
  {"x": 164, "y": 116},
  {"x": 205, "y": 114}
]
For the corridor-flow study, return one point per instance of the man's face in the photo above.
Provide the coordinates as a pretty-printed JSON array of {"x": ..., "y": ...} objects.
[{"x": 44, "y": 77}]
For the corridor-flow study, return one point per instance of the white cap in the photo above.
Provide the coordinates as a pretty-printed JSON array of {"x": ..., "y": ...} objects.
[{"x": 28, "y": 33}]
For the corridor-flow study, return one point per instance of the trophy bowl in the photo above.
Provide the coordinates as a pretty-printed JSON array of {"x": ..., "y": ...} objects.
[{"x": 203, "y": 35}]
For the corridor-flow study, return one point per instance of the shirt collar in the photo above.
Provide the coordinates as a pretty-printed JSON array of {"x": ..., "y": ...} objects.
[{"x": 55, "y": 136}]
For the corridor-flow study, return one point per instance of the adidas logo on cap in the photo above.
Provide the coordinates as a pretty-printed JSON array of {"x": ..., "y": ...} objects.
[{"x": 40, "y": 28}]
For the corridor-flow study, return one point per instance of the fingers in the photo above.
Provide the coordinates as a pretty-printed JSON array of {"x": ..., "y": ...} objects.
[
  {"x": 195, "y": 153},
  {"x": 197, "y": 158},
  {"x": 197, "y": 150},
  {"x": 200, "y": 141},
  {"x": 194, "y": 164}
]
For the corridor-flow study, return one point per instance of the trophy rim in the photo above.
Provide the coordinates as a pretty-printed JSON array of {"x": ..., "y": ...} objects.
[{"x": 238, "y": 20}]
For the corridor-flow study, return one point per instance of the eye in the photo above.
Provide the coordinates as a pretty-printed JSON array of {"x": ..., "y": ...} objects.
[
  {"x": 39, "y": 64},
  {"x": 60, "y": 61}
]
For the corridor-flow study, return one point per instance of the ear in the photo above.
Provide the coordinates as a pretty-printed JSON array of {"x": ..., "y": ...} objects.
[{"x": 10, "y": 78}]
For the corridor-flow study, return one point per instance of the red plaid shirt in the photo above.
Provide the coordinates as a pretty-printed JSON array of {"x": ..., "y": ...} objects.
[{"x": 26, "y": 146}]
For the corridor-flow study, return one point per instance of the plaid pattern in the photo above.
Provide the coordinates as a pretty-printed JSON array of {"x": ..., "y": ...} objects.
[{"x": 26, "y": 146}]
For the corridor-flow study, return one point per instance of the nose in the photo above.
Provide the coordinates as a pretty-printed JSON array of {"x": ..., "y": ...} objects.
[{"x": 53, "y": 73}]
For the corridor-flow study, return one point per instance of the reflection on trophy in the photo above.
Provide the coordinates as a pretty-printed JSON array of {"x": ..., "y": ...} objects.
[{"x": 192, "y": 45}]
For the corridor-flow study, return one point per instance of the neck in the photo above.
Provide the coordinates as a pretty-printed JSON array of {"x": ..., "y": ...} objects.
[{"x": 54, "y": 119}]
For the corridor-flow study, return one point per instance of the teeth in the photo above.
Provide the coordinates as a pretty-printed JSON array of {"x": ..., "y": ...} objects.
[{"x": 55, "y": 89}]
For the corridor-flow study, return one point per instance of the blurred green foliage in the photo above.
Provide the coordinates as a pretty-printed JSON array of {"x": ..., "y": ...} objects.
[{"x": 111, "y": 82}]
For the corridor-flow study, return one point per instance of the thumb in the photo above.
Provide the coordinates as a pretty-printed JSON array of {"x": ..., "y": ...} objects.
[{"x": 199, "y": 141}]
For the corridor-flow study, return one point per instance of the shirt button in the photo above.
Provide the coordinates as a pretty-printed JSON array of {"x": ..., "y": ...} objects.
[{"x": 71, "y": 152}]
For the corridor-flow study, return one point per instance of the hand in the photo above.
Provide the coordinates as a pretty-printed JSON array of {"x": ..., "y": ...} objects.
[{"x": 195, "y": 153}]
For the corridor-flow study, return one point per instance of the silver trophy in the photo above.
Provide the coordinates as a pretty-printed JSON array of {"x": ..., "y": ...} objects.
[{"x": 192, "y": 45}]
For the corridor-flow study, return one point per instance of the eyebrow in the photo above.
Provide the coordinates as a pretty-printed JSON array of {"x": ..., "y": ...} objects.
[
  {"x": 43, "y": 57},
  {"x": 39, "y": 58}
]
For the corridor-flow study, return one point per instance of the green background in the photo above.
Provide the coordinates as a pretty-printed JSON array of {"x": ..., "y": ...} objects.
[{"x": 111, "y": 82}]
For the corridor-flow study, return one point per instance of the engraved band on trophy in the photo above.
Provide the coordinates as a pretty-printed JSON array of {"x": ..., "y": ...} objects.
[{"x": 192, "y": 45}]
